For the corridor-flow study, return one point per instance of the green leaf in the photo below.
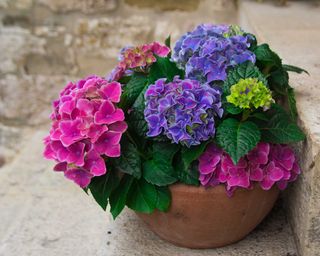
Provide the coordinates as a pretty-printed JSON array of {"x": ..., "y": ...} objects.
[
  {"x": 129, "y": 161},
  {"x": 191, "y": 154},
  {"x": 292, "y": 103},
  {"x": 260, "y": 116},
  {"x": 159, "y": 170},
  {"x": 253, "y": 42},
  {"x": 142, "y": 196},
  {"x": 160, "y": 173},
  {"x": 132, "y": 90},
  {"x": 102, "y": 186},
  {"x": 189, "y": 175},
  {"x": 232, "y": 109},
  {"x": 294, "y": 69},
  {"x": 237, "y": 138},
  {"x": 280, "y": 128},
  {"x": 266, "y": 56},
  {"x": 136, "y": 118},
  {"x": 119, "y": 196},
  {"x": 163, "y": 198},
  {"x": 184, "y": 168},
  {"x": 164, "y": 151},
  {"x": 279, "y": 81},
  {"x": 242, "y": 71},
  {"x": 167, "y": 42},
  {"x": 164, "y": 68}
]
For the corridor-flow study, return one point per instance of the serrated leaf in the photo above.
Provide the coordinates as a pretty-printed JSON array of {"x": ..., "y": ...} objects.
[
  {"x": 189, "y": 175},
  {"x": 132, "y": 90},
  {"x": 292, "y": 103},
  {"x": 242, "y": 71},
  {"x": 280, "y": 128},
  {"x": 118, "y": 197},
  {"x": 252, "y": 41},
  {"x": 129, "y": 162},
  {"x": 159, "y": 169},
  {"x": 184, "y": 168},
  {"x": 282, "y": 133},
  {"x": 136, "y": 118},
  {"x": 142, "y": 197},
  {"x": 191, "y": 154},
  {"x": 260, "y": 116},
  {"x": 266, "y": 56},
  {"x": 167, "y": 42},
  {"x": 163, "y": 198},
  {"x": 237, "y": 138},
  {"x": 294, "y": 69},
  {"x": 164, "y": 151},
  {"x": 102, "y": 186},
  {"x": 279, "y": 80},
  {"x": 232, "y": 109},
  {"x": 160, "y": 173},
  {"x": 164, "y": 68}
]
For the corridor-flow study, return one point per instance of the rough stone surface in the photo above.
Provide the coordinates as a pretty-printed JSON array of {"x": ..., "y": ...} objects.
[
  {"x": 293, "y": 32},
  {"x": 49, "y": 41},
  {"x": 45, "y": 43},
  {"x": 45, "y": 214},
  {"x": 27, "y": 100},
  {"x": 85, "y": 6}
]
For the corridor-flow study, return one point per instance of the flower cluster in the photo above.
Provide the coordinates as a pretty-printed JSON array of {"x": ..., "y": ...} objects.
[
  {"x": 184, "y": 110},
  {"x": 267, "y": 164},
  {"x": 86, "y": 127},
  {"x": 250, "y": 93},
  {"x": 209, "y": 50},
  {"x": 137, "y": 57}
]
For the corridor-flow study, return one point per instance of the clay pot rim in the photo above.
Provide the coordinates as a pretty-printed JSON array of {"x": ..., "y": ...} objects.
[{"x": 218, "y": 189}]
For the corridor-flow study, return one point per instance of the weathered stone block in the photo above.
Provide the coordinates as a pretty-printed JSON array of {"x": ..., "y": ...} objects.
[
  {"x": 27, "y": 100},
  {"x": 85, "y": 6},
  {"x": 17, "y": 42},
  {"x": 295, "y": 38}
]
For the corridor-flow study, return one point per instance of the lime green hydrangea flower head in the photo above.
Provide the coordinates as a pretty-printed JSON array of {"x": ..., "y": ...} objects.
[
  {"x": 234, "y": 30},
  {"x": 250, "y": 93}
]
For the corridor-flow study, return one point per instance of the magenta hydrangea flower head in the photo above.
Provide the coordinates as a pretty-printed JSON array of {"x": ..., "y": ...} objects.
[
  {"x": 209, "y": 50},
  {"x": 86, "y": 128},
  {"x": 267, "y": 164},
  {"x": 140, "y": 57},
  {"x": 183, "y": 110}
]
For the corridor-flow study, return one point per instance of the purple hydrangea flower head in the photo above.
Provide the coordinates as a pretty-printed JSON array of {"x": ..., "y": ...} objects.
[
  {"x": 183, "y": 110},
  {"x": 209, "y": 50}
]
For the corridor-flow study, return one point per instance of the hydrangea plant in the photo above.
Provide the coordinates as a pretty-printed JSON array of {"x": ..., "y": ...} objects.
[{"x": 207, "y": 114}]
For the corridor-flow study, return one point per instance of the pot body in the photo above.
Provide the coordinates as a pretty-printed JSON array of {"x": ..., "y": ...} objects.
[{"x": 208, "y": 218}]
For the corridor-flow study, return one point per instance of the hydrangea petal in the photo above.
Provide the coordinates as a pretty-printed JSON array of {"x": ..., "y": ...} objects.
[{"x": 80, "y": 176}]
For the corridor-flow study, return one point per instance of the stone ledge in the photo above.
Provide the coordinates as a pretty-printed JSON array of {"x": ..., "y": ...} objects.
[
  {"x": 296, "y": 39},
  {"x": 45, "y": 214}
]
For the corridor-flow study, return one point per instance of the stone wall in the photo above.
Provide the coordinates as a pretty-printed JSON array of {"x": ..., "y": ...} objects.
[{"x": 44, "y": 43}]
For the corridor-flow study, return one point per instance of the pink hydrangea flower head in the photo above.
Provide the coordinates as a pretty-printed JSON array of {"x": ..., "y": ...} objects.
[
  {"x": 139, "y": 57},
  {"x": 209, "y": 165},
  {"x": 272, "y": 174},
  {"x": 87, "y": 127},
  {"x": 235, "y": 175},
  {"x": 283, "y": 156},
  {"x": 267, "y": 164},
  {"x": 259, "y": 155}
]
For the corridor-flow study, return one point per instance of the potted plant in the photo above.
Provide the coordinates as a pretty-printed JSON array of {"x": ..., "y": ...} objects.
[{"x": 195, "y": 140}]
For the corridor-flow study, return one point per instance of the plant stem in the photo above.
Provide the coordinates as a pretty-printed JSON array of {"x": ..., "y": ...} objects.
[{"x": 245, "y": 114}]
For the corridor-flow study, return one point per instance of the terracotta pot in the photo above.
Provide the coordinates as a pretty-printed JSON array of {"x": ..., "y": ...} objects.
[{"x": 208, "y": 218}]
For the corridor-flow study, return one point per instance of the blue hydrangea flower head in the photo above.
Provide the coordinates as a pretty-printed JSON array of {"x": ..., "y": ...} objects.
[
  {"x": 183, "y": 110},
  {"x": 209, "y": 50}
]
